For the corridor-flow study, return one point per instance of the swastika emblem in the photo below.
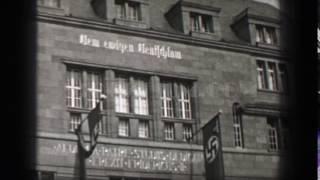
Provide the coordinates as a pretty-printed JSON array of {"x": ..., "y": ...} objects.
[{"x": 212, "y": 149}]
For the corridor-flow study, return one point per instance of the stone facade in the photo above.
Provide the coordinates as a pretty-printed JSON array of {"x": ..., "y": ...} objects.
[{"x": 221, "y": 72}]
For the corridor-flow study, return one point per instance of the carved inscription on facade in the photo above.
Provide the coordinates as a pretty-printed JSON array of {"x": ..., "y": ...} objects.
[
  {"x": 159, "y": 51},
  {"x": 134, "y": 158}
]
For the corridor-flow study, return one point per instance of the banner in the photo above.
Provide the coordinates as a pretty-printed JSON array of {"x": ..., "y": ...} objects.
[{"x": 213, "y": 149}]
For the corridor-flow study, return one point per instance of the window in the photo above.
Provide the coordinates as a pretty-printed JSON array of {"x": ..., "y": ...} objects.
[
  {"x": 128, "y": 10},
  {"x": 74, "y": 88},
  {"x": 123, "y": 129},
  {"x": 266, "y": 35},
  {"x": 136, "y": 92},
  {"x": 94, "y": 88},
  {"x": 166, "y": 99},
  {"x": 237, "y": 125},
  {"x": 184, "y": 101},
  {"x": 272, "y": 76},
  {"x": 169, "y": 131},
  {"x": 175, "y": 99},
  {"x": 273, "y": 134},
  {"x": 261, "y": 75},
  {"x": 75, "y": 120},
  {"x": 121, "y": 95},
  {"x": 200, "y": 23},
  {"x": 143, "y": 129},
  {"x": 141, "y": 97},
  {"x": 49, "y": 3},
  {"x": 187, "y": 132}
]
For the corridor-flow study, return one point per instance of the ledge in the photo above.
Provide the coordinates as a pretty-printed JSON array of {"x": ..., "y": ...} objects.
[
  {"x": 251, "y": 151},
  {"x": 122, "y": 141},
  {"x": 270, "y": 46},
  {"x": 83, "y": 62},
  {"x": 134, "y": 116},
  {"x": 49, "y": 10},
  {"x": 205, "y": 35},
  {"x": 152, "y": 144},
  {"x": 178, "y": 120},
  {"x": 165, "y": 36},
  {"x": 130, "y": 23}
]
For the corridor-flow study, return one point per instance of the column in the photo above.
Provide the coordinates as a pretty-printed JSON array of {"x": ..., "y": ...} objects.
[
  {"x": 178, "y": 128},
  {"x": 195, "y": 112},
  {"x": 110, "y": 120},
  {"x": 133, "y": 127},
  {"x": 131, "y": 94},
  {"x": 156, "y": 125}
]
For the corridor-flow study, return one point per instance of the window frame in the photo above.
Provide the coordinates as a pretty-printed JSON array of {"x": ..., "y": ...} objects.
[
  {"x": 169, "y": 131},
  {"x": 74, "y": 88},
  {"x": 75, "y": 120},
  {"x": 123, "y": 127},
  {"x": 273, "y": 134},
  {"x": 269, "y": 73},
  {"x": 187, "y": 132},
  {"x": 167, "y": 99},
  {"x": 127, "y": 7},
  {"x": 184, "y": 102},
  {"x": 265, "y": 34},
  {"x": 201, "y": 23},
  {"x": 91, "y": 102},
  {"x": 141, "y": 96},
  {"x": 123, "y": 94},
  {"x": 237, "y": 126},
  {"x": 181, "y": 98},
  {"x": 144, "y": 129}
]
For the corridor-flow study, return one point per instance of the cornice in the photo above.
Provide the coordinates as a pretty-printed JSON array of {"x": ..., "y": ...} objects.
[
  {"x": 265, "y": 109},
  {"x": 198, "y": 6},
  {"x": 164, "y": 36}
]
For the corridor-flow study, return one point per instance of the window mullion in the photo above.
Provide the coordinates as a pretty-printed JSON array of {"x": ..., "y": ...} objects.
[
  {"x": 182, "y": 101},
  {"x": 72, "y": 88},
  {"x": 131, "y": 94},
  {"x": 266, "y": 75},
  {"x": 176, "y": 100},
  {"x": 85, "y": 92}
]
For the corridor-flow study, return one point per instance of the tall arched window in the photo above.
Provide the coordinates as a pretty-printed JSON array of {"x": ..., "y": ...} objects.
[{"x": 237, "y": 125}]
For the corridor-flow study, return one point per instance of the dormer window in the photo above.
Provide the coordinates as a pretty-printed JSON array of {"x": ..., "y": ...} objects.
[
  {"x": 265, "y": 34},
  {"x": 201, "y": 23},
  {"x": 199, "y": 20},
  {"x": 129, "y": 13},
  {"x": 128, "y": 10},
  {"x": 258, "y": 28}
]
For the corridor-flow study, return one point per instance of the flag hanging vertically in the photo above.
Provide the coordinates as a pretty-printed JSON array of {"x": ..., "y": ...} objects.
[
  {"x": 213, "y": 149},
  {"x": 93, "y": 120}
]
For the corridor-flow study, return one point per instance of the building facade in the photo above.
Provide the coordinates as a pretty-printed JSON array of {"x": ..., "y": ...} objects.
[{"x": 167, "y": 67}]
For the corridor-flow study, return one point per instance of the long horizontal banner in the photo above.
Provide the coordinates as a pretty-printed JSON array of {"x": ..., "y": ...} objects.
[{"x": 125, "y": 157}]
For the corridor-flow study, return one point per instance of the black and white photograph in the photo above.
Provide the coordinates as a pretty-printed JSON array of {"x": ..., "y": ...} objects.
[{"x": 163, "y": 90}]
